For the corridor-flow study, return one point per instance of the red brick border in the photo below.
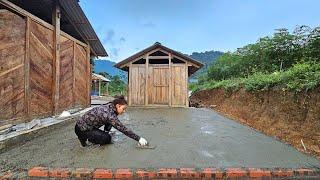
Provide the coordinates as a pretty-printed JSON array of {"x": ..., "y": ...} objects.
[
  {"x": 102, "y": 174},
  {"x": 60, "y": 173},
  {"x": 167, "y": 173},
  {"x": 39, "y": 172}
]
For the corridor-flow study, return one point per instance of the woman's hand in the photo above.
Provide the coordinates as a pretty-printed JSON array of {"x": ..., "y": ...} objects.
[{"x": 143, "y": 141}]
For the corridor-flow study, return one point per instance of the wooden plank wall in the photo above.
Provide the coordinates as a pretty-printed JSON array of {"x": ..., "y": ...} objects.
[
  {"x": 66, "y": 74},
  {"x": 81, "y": 80},
  {"x": 138, "y": 84},
  {"x": 12, "y": 57},
  {"x": 158, "y": 81},
  {"x": 41, "y": 59},
  {"x": 26, "y": 70},
  {"x": 179, "y": 86}
]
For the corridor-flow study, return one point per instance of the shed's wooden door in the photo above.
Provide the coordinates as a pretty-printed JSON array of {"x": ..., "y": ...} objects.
[
  {"x": 137, "y": 85},
  {"x": 158, "y": 84},
  {"x": 179, "y": 85}
]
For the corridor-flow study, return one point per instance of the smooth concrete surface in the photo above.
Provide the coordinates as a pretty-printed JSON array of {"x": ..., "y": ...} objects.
[{"x": 184, "y": 137}]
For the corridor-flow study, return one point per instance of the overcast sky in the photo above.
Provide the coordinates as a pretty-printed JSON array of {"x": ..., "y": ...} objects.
[{"x": 127, "y": 26}]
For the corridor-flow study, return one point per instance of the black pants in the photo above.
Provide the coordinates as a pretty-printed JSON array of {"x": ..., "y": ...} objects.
[{"x": 95, "y": 136}]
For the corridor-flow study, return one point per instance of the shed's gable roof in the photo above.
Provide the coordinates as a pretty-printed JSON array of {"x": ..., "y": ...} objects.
[{"x": 157, "y": 45}]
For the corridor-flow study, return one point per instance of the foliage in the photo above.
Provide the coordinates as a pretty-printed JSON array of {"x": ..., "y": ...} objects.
[
  {"x": 300, "y": 77},
  {"x": 116, "y": 85},
  {"x": 288, "y": 60}
]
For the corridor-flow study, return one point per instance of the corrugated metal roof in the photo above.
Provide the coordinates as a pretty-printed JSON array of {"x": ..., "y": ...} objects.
[
  {"x": 81, "y": 23},
  {"x": 98, "y": 76},
  {"x": 73, "y": 20}
]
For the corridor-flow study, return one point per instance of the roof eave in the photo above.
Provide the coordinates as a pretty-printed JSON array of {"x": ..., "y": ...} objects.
[{"x": 86, "y": 31}]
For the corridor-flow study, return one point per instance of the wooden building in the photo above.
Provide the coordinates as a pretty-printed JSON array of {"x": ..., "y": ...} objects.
[
  {"x": 45, "y": 50},
  {"x": 158, "y": 76},
  {"x": 97, "y": 82}
]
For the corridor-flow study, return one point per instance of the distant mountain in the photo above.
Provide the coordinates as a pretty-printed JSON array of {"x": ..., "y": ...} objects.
[
  {"x": 207, "y": 58},
  {"x": 107, "y": 66}
]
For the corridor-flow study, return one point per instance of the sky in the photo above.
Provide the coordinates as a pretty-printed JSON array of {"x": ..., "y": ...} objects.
[{"x": 128, "y": 26}]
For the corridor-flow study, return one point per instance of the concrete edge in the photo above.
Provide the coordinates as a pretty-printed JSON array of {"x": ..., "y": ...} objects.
[
  {"x": 167, "y": 173},
  {"x": 28, "y": 135}
]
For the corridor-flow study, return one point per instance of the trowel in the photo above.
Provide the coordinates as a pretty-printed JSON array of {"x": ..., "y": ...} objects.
[{"x": 148, "y": 146}]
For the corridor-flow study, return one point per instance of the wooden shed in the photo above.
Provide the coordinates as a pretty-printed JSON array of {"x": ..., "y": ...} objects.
[
  {"x": 97, "y": 81},
  {"x": 158, "y": 76},
  {"x": 45, "y": 50}
]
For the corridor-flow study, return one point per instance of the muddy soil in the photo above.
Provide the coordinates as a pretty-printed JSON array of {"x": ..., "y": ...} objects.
[
  {"x": 185, "y": 137},
  {"x": 290, "y": 117}
]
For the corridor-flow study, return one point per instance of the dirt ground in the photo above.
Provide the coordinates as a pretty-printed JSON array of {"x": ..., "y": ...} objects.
[
  {"x": 288, "y": 116},
  {"x": 184, "y": 137}
]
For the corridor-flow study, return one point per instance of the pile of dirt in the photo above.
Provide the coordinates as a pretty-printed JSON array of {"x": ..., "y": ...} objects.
[{"x": 291, "y": 117}]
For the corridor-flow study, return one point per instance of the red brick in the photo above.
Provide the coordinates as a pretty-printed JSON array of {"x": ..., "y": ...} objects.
[
  {"x": 303, "y": 171},
  {"x": 123, "y": 174},
  {"x": 209, "y": 173},
  {"x": 146, "y": 174},
  {"x": 189, "y": 173},
  {"x": 83, "y": 173},
  {"x": 6, "y": 175},
  {"x": 167, "y": 173},
  {"x": 236, "y": 172},
  {"x": 60, "y": 173},
  {"x": 253, "y": 172},
  {"x": 282, "y": 173},
  {"x": 38, "y": 172},
  {"x": 103, "y": 174}
]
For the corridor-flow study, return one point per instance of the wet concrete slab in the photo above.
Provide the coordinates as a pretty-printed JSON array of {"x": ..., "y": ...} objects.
[{"x": 184, "y": 137}]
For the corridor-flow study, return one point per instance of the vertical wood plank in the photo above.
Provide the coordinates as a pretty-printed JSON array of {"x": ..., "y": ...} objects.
[
  {"x": 170, "y": 81},
  {"x": 147, "y": 78},
  {"x": 186, "y": 84},
  {"x": 56, "y": 56},
  {"x": 74, "y": 74},
  {"x": 150, "y": 86},
  {"x": 130, "y": 84},
  {"x": 27, "y": 70}
]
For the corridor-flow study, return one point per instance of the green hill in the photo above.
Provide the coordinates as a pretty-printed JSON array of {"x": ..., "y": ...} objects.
[{"x": 207, "y": 58}]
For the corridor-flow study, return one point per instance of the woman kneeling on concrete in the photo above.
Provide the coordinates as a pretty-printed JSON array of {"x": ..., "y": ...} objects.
[{"x": 87, "y": 127}]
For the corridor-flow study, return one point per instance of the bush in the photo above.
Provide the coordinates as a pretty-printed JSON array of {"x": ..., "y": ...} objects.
[{"x": 303, "y": 76}]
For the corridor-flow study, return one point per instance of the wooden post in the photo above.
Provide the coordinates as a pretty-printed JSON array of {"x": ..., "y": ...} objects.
[
  {"x": 56, "y": 14},
  {"x": 129, "y": 84},
  {"x": 88, "y": 76},
  {"x": 187, "y": 92},
  {"x": 74, "y": 74},
  {"x": 107, "y": 87},
  {"x": 170, "y": 81},
  {"x": 99, "y": 87},
  {"x": 146, "y": 82},
  {"x": 27, "y": 71}
]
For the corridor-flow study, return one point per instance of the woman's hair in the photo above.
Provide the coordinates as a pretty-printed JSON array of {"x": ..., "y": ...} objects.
[{"x": 119, "y": 100}]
